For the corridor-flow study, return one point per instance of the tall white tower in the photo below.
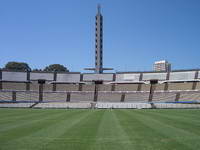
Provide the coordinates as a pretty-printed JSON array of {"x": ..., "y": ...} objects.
[{"x": 98, "y": 43}]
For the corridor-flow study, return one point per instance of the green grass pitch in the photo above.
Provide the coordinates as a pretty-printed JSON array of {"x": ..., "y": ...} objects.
[{"x": 40, "y": 129}]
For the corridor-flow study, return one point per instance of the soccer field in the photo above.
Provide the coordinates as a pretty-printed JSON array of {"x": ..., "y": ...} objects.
[{"x": 24, "y": 129}]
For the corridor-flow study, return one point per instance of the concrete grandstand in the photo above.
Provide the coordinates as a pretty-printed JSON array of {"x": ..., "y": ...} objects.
[{"x": 107, "y": 90}]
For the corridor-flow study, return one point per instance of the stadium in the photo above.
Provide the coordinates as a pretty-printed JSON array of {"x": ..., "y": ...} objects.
[
  {"x": 142, "y": 110},
  {"x": 177, "y": 89}
]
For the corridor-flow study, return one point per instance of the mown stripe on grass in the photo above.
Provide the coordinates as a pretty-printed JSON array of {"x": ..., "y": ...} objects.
[
  {"x": 17, "y": 119},
  {"x": 80, "y": 136},
  {"x": 150, "y": 133},
  {"x": 183, "y": 122},
  {"x": 27, "y": 118},
  {"x": 30, "y": 132},
  {"x": 110, "y": 134}
]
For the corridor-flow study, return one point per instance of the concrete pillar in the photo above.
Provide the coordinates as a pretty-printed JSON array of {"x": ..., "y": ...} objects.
[
  {"x": 68, "y": 97},
  {"x": 54, "y": 79},
  {"x": 152, "y": 88},
  {"x": 14, "y": 97},
  {"x": 122, "y": 97},
  {"x": 96, "y": 92},
  {"x": 194, "y": 85},
  {"x": 166, "y": 84},
  {"x": 40, "y": 92},
  {"x": 28, "y": 79},
  {"x": 80, "y": 87},
  {"x": 177, "y": 97},
  {"x": 113, "y": 85},
  {"x": 140, "y": 85},
  {"x": 81, "y": 77},
  {"x": 41, "y": 83},
  {"x": 1, "y": 85}
]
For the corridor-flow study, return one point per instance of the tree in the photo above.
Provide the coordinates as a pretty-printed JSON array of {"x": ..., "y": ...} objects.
[
  {"x": 37, "y": 70},
  {"x": 17, "y": 66},
  {"x": 56, "y": 67}
]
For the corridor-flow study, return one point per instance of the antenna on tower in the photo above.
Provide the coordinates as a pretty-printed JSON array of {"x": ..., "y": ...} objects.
[{"x": 99, "y": 8}]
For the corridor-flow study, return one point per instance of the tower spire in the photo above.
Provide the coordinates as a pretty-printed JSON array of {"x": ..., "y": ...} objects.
[{"x": 99, "y": 8}]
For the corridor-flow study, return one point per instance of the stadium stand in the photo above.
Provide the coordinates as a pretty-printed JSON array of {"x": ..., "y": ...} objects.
[
  {"x": 67, "y": 87},
  {"x": 164, "y": 97},
  {"x": 63, "y": 105},
  {"x": 137, "y": 97},
  {"x": 6, "y": 96},
  {"x": 13, "y": 86},
  {"x": 126, "y": 87},
  {"x": 104, "y": 87},
  {"x": 88, "y": 87},
  {"x": 82, "y": 96},
  {"x": 145, "y": 87},
  {"x": 158, "y": 76},
  {"x": 123, "y": 105},
  {"x": 16, "y": 105},
  {"x": 34, "y": 86},
  {"x": 48, "y": 87},
  {"x": 160, "y": 87},
  {"x": 198, "y": 85},
  {"x": 180, "y": 86},
  {"x": 169, "y": 106},
  {"x": 27, "y": 96},
  {"x": 54, "y": 96},
  {"x": 179, "y": 89},
  {"x": 109, "y": 97},
  {"x": 187, "y": 75},
  {"x": 190, "y": 96}
]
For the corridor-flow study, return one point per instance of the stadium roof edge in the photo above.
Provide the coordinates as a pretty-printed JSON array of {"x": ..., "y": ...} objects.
[{"x": 181, "y": 70}]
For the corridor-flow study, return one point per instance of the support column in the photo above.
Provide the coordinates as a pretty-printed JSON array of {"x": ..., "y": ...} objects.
[
  {"x": 41, "y": 83},
  {"x": 80, "y": 87},
  {"x": 81, "y": 77},
  {"x": 28, "y": 79},
  {"x": 166, "y": 84},
  {"x": 140, "y": 85},
  {"x": 1, "y": 85},
  {"x": 194, "y": 85},
  {"x": 177, "y": 97},
  {"x": 113, "y": 85},
  {"x": 54, "y": 79},
  {"x": 122, "y": 97},
  {"x": 68, "y": 97},
  {"x": 152, "y": 88},
  {"x": 151, "y": 93},
  {"x": 14, "y": 97},
  {"x": 40, "y": 92},
  {"x": 96, "y": 92}
]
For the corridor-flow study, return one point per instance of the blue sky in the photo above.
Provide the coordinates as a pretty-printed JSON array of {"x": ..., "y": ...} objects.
[{"x": 136, "y": 33}]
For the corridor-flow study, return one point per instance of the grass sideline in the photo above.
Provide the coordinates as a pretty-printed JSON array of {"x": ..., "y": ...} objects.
[{"x": 79, "y": 129}]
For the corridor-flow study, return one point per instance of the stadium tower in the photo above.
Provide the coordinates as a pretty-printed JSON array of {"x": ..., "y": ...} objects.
[{"x": 98, "y": 43}]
